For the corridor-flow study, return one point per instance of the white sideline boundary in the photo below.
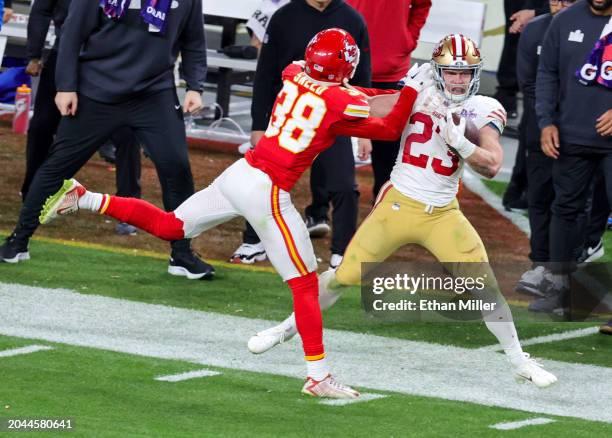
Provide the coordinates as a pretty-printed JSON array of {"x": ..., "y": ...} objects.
[
  {"x": 24, "y": 350},
  {"x": 518, "y": 424},
  {"x": 367, "y": 361},
  {"x": 474, "y": 184},
  {"x": 188, "y": 375},
  {"x": 571, "y": 334}
]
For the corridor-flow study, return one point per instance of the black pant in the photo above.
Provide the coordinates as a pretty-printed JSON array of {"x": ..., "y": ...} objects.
[
  {"x": 529, "y": 138},
  {"x": 332, "y": 179},
  {"x": 572, "y": 179},
  {"x": 540, "y": 195},
  {"x": 598, "y": 212},
  {"x": 384, "y": 153},
  {"x": 506, "y": 72},
  {"x": 43, "y": 127},
  {"x": 157, "y": 121}
]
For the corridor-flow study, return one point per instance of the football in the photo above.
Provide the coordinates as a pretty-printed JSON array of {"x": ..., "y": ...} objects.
[{"x": 471, "y": 131}]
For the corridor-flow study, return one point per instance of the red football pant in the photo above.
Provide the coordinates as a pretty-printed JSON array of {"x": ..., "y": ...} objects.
[
  {"x": 308, "y": 314},
  {"x": 143, "y": 215}
]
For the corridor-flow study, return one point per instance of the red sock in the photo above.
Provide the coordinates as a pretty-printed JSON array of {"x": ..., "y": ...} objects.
[
  {"x": 308, "y": 314},
  {"x": 143, "y": 215}
]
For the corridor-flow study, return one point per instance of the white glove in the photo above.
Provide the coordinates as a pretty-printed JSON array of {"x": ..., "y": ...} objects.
[
  {"x": 418, "y": 78},
  {"x": 454, "y": 136}
]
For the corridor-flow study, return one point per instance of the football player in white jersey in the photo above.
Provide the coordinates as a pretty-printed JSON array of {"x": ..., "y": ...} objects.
[{"x": 418, "y": 205}]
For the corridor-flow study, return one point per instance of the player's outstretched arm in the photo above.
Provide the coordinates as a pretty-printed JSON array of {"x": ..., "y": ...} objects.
[
  {"x": 380, "y": 128},
  {"x": 486, "y": 160}
]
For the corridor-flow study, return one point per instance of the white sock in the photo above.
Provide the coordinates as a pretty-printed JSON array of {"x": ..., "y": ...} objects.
[
  {"x": 91, "y": 201},
  {"x": 506, "y": 335},
  {"x": 317, "y": 369}
]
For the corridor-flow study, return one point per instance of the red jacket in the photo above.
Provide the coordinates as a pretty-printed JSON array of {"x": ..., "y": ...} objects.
[{"x": 394, "y": 27}]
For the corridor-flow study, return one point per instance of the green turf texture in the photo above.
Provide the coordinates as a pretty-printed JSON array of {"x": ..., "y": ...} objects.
[
  {"x": 241, "y": 292},
  {"x": 110, "y": 394}
]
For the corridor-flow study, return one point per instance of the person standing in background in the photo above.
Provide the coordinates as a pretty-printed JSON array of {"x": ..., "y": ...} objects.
[
  {"x": 574, "y": 110},
  {"x": 394, "y": 33},
  {"x": 258, "y": 23},
  {"x": 46, "y": 119},
  {"x": 333, "y": 172}
]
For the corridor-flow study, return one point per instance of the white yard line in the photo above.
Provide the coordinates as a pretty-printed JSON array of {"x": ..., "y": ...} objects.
[
  {"x": 571, "y": 334},
  {"x": 24, "y": 350},
  {"x": 187, "y": 376},
  {"x": 475, "y": 185},
  {"x": 379, "y": 363},
  {"x": 518, "y": 424},
  {"x": 364, "y": 397}
]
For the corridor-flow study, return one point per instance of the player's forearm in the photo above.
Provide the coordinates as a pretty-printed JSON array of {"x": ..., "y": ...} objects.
[
  {"x": 386, "y": 128},
  {"x": 486, "y": 159}
]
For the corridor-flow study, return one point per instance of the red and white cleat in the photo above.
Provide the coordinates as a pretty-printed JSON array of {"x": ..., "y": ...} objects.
[
  {"x": 328, "y": 388},
  {"x": 64, "y": 202}
]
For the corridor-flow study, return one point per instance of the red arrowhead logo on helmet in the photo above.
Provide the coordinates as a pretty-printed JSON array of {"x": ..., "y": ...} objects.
[{"x": 331, "y": 56}]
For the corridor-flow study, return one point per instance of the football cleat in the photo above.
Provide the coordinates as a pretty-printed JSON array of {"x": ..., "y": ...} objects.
[
  {"x": 64, "y": 202},
  {"x": 265, "y": 340},
  {"x": 528, "y": 369},
  {"x": 249, "y": 253},
  {"x": 328, "y": 388},
  {"x": 606, "y": 329}
]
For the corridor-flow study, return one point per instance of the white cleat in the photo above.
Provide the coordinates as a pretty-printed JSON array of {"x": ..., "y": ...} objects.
[
  {"x": 328, "y": 388},
  {"x": 265, "y": 340},
  {"x": 64, "y": 201},
  {"x": 528, "y": 369}
]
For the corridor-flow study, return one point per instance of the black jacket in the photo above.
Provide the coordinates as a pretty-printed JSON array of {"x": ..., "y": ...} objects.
[
  {"x": 569, "y": 40},
  {"x": 289, "y": 32},
  {"x": 41, "y": 15},
  {"x": 118, "y": 60}
]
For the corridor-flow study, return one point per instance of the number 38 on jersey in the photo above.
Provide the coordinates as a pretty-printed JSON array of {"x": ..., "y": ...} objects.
[{"x": 296, "y": 118}]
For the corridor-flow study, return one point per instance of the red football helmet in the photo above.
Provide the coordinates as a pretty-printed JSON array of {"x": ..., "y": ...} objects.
[{"x": 331, "y": 56}]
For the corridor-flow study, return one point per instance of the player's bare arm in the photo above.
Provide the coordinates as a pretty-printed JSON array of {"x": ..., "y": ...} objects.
[{"x": 487, "y": 159}]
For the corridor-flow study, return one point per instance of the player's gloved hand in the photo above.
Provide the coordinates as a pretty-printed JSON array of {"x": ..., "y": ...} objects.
[
  {"x": 418, "y": 77},
  {"x": 454, "y": 136}
]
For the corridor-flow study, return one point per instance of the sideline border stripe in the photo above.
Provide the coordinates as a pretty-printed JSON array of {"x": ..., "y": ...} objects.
[
  {"x": 24, "y": 350},
  {"x": 562, "y": 336},
  {"x": 140, "y": 253}
]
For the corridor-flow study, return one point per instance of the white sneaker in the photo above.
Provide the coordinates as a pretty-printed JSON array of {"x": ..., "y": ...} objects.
[
  {"x": 64, "y": 201},
  {"x": 249, "y": 253},
  {"x": 528, "y": 369},
  {"x": 328, "y": 388},
  {"x": 265, "y": 340},
  {"x": 335, "y": 261},
  {"x": 531, "y": 282}
]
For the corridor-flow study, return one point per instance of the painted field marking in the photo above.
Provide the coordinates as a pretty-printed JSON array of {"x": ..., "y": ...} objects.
[
  {"x": 364, "y": 360},
  {"x": 571, "y": 334},
  {"x": 349, "y": 401},
  {"x": 24, "y": 350},
  {"x": 518, "y": 424},
  {"x": 188, "y": 375}
]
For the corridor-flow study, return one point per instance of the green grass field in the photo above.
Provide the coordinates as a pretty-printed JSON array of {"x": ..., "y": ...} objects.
[{"x": 115, "y": 394}]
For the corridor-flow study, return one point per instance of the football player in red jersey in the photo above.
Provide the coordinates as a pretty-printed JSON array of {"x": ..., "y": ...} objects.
[{"x": 312, "y": 108}]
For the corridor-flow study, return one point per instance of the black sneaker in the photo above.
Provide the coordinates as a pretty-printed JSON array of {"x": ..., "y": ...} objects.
[
  {"x": 591, "y": 253},
  {"x": 189, "y": 264},
  {"x": 14, "y": 251},
  {"x": 317, "y": 227}
]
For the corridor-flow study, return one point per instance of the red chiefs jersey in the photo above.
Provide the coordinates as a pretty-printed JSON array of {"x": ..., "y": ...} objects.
[{"x": 308, "y": 116}]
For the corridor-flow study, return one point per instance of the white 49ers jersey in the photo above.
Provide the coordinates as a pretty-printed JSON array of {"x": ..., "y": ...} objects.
[{"x": 426, "y": 170}]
